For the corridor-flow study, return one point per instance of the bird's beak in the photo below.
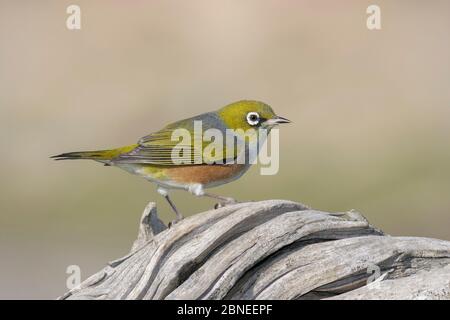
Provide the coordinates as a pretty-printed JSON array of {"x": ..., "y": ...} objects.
[{"x": 276, "y": 120}]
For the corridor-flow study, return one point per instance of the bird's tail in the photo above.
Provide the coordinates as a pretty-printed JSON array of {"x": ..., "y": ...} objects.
[{"x": 99, "y": 155}]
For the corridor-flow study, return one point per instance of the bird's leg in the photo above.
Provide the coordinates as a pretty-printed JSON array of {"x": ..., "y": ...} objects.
[
  {"x": 222, "y": 199},
  {"x": 197, "y": 190},
  {"x": 165, "y": 194},
  {"x": 172, "y": 205}
]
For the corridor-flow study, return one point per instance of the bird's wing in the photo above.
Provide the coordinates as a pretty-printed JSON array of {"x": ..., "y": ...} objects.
[{"x": 168, "y": 147}]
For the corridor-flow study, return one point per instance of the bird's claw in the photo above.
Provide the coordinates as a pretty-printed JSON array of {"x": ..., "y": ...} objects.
[
  {"x": 173, "y": 222},
  {"x": 226, "y": 202}
]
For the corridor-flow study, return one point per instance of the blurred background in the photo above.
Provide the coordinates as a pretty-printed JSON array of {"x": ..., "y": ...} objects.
[{"x": 370, "y": 111}]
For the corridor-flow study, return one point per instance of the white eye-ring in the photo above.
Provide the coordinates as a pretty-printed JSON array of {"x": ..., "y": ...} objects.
[{"x": 253, "y": 118}]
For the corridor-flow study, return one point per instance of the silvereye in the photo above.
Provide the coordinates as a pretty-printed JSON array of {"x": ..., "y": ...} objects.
[{"x": 152, "y": 156}]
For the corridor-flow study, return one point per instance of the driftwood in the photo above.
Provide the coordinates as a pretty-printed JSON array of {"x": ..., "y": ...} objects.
[{"x": 272, "y": 250}]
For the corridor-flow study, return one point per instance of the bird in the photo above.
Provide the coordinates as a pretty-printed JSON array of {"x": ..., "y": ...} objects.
[{"x": 170, "y": 164}]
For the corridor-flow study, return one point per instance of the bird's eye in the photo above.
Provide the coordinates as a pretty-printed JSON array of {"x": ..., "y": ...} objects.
[{"x": 253, "y": 118}]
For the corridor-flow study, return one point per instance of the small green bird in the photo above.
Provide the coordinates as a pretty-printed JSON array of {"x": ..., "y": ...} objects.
[{"x": 153, "y": 155}]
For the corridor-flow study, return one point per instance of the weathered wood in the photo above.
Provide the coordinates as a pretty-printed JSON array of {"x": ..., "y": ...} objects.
[{"x": 271, "y": 249}]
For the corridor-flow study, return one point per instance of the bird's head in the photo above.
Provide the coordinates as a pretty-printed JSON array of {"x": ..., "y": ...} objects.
[{"x": 250, "y": 114}]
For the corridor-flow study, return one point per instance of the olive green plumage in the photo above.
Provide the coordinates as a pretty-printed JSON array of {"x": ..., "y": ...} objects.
[{"x": 151, "y": 156}]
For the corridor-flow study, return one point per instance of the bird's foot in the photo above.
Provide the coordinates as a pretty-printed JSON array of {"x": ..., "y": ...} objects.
[
  {"x": 225, "y": 202},
  {"x": 173, "y": 222}
]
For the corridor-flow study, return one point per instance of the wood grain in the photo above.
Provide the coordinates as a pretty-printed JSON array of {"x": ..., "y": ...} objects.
[{"x": 272, "y": 249}]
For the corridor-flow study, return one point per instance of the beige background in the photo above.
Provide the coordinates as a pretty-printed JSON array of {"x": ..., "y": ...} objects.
[{"x": 370, "y": 112}]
